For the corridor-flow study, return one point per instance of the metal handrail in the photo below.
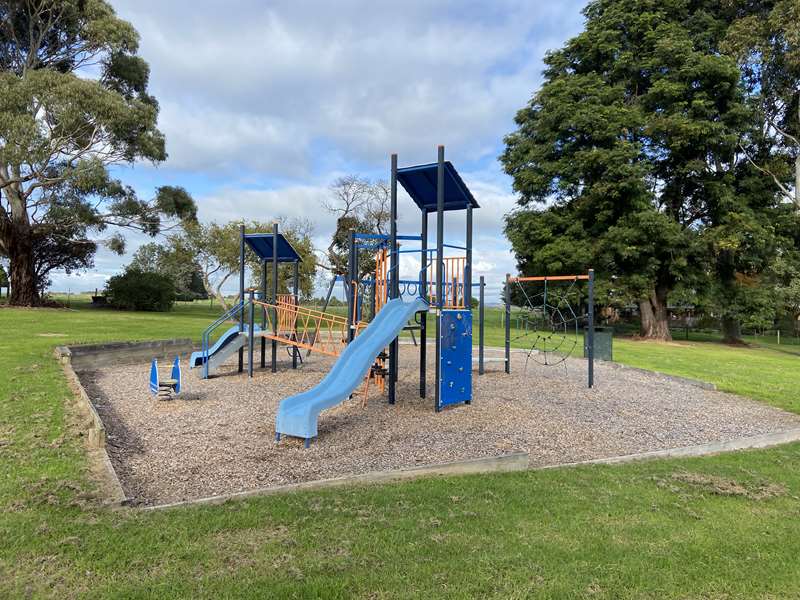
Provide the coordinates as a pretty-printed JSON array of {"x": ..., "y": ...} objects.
[{"x": 226, "y": 316}]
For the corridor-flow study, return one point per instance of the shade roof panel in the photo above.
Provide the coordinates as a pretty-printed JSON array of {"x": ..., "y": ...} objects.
[
  {"x": 420, "y": 183},
  {"x": 261, "y": 244}
]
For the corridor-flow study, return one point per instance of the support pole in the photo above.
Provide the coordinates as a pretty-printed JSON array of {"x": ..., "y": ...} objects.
[
  {"x": 423, "y": 317},
  {"x": 275, "y": 296},
  {"x": 481, "y": 315},
  {"x": 241, "y": 293},
  {"x": 394, "y": 284},
  {"x": 263, "y": 313},
  {"x": 296, "y": 286},
  {"x": 468, "y": 266},
  {"x": 352, "y": 258},
  {"x": 590, "y": 331},
  {"x": 250, "y": 337},
  {"x": 507, "y": 299},
  {"x": 439, "y": 267}
]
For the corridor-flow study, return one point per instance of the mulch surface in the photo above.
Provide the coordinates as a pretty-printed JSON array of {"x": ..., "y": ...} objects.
[{"x": 218, "y": 436}]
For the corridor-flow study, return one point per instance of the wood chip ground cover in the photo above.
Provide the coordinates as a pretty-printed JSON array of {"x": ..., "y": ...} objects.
[{"x": 217, "y": 437}]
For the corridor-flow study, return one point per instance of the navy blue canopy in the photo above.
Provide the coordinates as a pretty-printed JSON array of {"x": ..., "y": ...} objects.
[
  {"x": 420, "y": 183},
  {"x": 261, "y": 244}
]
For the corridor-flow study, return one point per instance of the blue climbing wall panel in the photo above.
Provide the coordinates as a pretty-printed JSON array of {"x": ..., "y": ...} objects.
[{"x": 455, "y": 384}]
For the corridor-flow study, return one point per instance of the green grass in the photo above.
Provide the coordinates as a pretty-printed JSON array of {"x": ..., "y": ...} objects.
[{"x": 719, "y": 527}]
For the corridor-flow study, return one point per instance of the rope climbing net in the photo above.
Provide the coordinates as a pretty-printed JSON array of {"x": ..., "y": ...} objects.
[{"x": 547, "y": 318}]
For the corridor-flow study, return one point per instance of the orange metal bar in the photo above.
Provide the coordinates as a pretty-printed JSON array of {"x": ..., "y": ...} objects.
[
  {"x": 453, "y": 281},
  {"x": 551, "y": 278},
  {"x": 355, "y": 301},
  {"x": 308, "y": 311},
  {"x": 381, "y": 296},
  {"x": 315, "y": 347},
  {"x": 329, "y": 330}
]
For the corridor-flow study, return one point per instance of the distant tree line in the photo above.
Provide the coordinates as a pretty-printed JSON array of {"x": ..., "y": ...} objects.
[{"x": 198, "y": 260}]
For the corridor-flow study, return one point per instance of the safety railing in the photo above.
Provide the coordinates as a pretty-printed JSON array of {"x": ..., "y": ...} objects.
[
  {"x": 453, "y": 277},
  {"x": 310, "y": 329},
  {"x": 453, "y": 283},
  {"x": 287, "y": 318},
  {"x": 228, "y": 315}
]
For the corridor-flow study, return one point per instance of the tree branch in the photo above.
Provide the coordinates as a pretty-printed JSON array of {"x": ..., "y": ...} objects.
[{"x": 784, "y": 190}]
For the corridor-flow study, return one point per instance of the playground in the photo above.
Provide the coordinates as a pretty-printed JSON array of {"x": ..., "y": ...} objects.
[
  {"x": 272, "y": 376},
  {"x": 217, "y": 437}
]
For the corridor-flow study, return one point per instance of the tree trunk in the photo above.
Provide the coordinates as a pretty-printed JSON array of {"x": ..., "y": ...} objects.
[
  {"x": 17, "y": 239},
  {"x": 214, "y": 293},
  {"x": 731, "y": 330},
  {"x": 655, "y": 319}
]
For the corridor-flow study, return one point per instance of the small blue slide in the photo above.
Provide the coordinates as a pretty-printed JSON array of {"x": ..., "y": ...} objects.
[
  {"x": 231, "y": 335},
  {"x": 297, "y": 415}
]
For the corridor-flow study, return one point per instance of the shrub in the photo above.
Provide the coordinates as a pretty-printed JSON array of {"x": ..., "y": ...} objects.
[{"x": 141, "y": 290}]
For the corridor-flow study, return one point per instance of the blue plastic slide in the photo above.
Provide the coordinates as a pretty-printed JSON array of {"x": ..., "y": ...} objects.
[
  {"x": 196, "y": 359},
  {"x": 297, "y": 415}
]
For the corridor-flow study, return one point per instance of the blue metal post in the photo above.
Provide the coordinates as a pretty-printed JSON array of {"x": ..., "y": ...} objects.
[
  {"x": 590, "y": 331},
  {"x": 263, "y": 312},
  {"x": 423, "y": 317},
  {"x": 275, "y": 296},
  {"x": 481, "y": 315},
  {"x": 352, "y": 268},
  {"x": 251, "y": 338},
  {"x": 507, "y": 299},
  {"x": 241, "y": 293},
  {"x": 394, "y": 284},
  {"x": 468, "y": 267},
  {"x": 439, "y": 268},
  {"x": 296, "y": 278}
]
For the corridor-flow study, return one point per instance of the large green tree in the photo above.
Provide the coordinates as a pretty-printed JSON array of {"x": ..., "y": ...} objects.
[
  {"x": 626, "y": 150},
  {"x": 73, "y": 102}
]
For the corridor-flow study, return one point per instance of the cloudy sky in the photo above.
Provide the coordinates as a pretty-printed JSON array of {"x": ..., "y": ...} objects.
[{"x": 265, "y": 103}]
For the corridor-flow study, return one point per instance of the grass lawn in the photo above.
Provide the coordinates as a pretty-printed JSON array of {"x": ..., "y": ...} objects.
[{"x": 720, "y": 527}]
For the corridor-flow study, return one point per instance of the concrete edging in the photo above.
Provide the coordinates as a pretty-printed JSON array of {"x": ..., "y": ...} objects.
[
  {"x": 87, "y": 357},
  {"x": 96, "y": 431},
  {"x": 517, "y": 461}
]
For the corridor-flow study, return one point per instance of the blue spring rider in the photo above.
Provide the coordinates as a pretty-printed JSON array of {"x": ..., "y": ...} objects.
[{"x": 165, "y": 389}]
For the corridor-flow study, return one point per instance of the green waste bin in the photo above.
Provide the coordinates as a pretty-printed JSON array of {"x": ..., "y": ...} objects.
[{"x": 603, "y": 337}]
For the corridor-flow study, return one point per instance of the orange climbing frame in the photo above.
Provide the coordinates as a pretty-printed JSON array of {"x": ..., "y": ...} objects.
[
  {"x": 381, "y": 279},
  {"x": 305, "y": 327},
  {"x": 381, "y": 296},
  {"x": 452, "y": 281}
]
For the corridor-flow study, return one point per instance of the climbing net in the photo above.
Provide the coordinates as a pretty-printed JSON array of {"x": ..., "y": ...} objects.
[{"x": 547, "y": 319}]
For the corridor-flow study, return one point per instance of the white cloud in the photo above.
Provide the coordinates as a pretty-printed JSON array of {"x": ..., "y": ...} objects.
[
  {"x": 267, "y": 85},
  {"x": 263, "y": 104}
]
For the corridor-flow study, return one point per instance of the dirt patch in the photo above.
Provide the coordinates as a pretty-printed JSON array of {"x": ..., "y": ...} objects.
[
  {"x": 217, "y": 437},
  {"x": 724, "y": 486}
]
